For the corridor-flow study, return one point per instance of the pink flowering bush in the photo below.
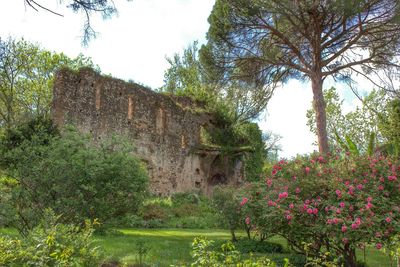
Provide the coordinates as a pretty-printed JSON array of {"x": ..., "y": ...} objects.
[{"x": 336, "y": 203}]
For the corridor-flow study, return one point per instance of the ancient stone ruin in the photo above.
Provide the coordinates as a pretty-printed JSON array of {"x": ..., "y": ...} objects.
[{"x": 165, "y": 130}]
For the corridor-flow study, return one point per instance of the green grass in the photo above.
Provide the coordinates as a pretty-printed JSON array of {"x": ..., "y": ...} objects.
[
  {"x": 173, "y": 246},
  {"x": 168, "y": 246}
]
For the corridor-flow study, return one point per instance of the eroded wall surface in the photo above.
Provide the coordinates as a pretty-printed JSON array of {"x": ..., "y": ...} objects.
[{"x": 164, "y": 130}]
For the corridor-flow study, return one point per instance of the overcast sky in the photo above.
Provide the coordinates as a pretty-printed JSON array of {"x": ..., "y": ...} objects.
[{"x": 133, "y": 46}]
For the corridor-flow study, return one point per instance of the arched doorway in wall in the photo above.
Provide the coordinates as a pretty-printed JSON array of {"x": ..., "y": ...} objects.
[{"x": 218, "y": 173}]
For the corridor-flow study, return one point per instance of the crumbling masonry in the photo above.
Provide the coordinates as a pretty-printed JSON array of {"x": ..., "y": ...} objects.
[{"x": 165, "y": 130}]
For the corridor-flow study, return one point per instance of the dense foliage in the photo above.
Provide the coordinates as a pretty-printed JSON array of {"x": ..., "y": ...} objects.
[
  {"x": 180, "y": 210},
  {"x": 204, "y": 255},
  {"x": 356, "y": 126},
  {"x": 51, "y": 244},
  {"x": 226, "y": 201},
  {"x": 389, "y": 125},
  {"x": 336, "y": 203},
  {"x": 233, "y": 106},
  {"x": 71, "y": 175},
  {"x": 26, "y": 79}
]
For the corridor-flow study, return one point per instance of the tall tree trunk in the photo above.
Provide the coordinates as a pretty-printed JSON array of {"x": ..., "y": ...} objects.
[{"x": 320, "y": 113}]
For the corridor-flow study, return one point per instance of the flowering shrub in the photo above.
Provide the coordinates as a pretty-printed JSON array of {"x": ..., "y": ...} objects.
[{"x": 335, "y": 203}]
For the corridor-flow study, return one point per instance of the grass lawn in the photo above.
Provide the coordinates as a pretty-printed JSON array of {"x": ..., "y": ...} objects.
[{"x": 172, "y": 246}]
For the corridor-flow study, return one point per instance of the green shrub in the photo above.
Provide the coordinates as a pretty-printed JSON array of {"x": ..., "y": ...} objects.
[
  {"x": 74, "y": 177},
  {"x": 255, "y": 246},
  {"x": 227, "y": 201},
  {"x": 51, "y": 244},
  {"x": 204, "y": 254},
  {"x": 247, "y": 246},
  {"x": 181, "y": 210},
  {"x": 185, "y": 198},
  {"x": 296, "y": 260},
  {"x": 186, "y": 210},
  {"x": 153, "y": 211}
]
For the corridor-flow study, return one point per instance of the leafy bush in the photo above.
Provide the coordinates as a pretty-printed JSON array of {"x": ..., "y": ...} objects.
[
  {"x": 255, "y": 246},
  {"x": 51, "y": 244},
  {"x": 74, "y": 177},
  {"x": 185, "y": 198},
  {"x": 335, "y": 203},
  {"x": 153, "y": 211},
  {"x": 296, "y": 260},
  {"x": 204, "y": 254},
  {"x": 7, "y": 212},
  {"x": 247, "y": 246},
  {"x": 227, "y": 202},
  {"x": 181, "y": 210}
]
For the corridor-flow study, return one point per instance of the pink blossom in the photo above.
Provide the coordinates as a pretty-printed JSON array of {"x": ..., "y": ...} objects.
[
  {"x": 335, "y": 220},
  {"x": 274, "y": 171},
  {"x": 321, "y": 159},
  {"x": 297, "y": 190},
  {"x": 338, "y": 211},
  {"x": 310, "y": 211},
  {"x": 342, "y": 204},
  {"x": 380, "y": 188},
  {"x": 329, "y": 221},
  {"x": 244, "y": 201},
  {"x": 378, "y": 246},
  {"x": 360, "y": 187},
  {"x": 369, "y": 199},
  {"x": 248, "y": 220},
  {"x": 392, "y": 178},
  {"x": 315, "y": 211},
  {"x": 368, "y": 206},
  {"x": 344, "y": 228},
  {"x": 381, "y": 179},
  {"x": 388, "y": 219},
  {"x": 283, "y": 195},
  {"x": 307, "y": 201},
  {"x": 305, "y": 206},
  {"x": 291, "y": 206},
  {"x": 271, "y": 203},
  {"x": 307, "y": 169},
  {"x": 338, "y": 192},
  {"x": 354, "y": 226},
  {"x": 269, "y": 182},
  {"x": 288, "y": 217}
]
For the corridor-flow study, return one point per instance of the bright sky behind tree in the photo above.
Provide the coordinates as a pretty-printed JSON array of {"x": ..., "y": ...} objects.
[{"x": 133, "y": 46}]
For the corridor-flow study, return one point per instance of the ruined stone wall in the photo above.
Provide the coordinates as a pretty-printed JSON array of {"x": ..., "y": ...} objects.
[{"x": 164, "y": 130}]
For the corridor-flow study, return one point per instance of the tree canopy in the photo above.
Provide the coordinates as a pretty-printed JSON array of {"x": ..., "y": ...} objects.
[
  {"x": 266, "y": 41},
  {"x": 26, "y": 78}
]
